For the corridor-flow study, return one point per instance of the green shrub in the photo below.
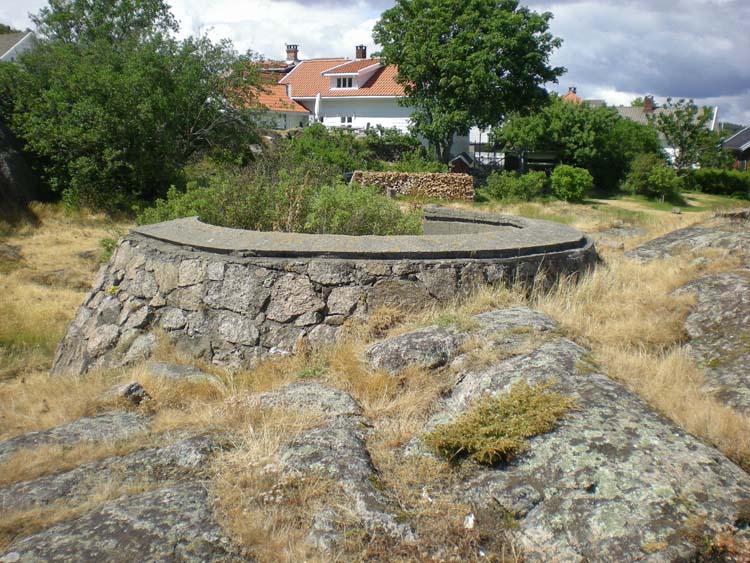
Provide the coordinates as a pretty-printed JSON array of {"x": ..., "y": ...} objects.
[
  {"x": 495, "y": 429},
  {"x": 349, "y": 209},
  {"x": 194, "y": 200},
  {"x": 390, "y": 144},
  {"x": 289, "y": 206},
  {"x": 514, "y": 187},
  {"x": 337, "y": 149},
  {"x": 636, "y": 181},
  {"x": 665, "y": 183},
  {"x": 271, "y": 194},
  {"x": 570, "y": 183},
  {"x": 650, "y": 176},
  {"x": 721, "y": 182},
  {"x": 418, "y": 161}
]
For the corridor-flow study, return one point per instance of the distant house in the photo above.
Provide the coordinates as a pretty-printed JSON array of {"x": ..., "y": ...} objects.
[
  {"x": 281, "y": 112},
  {"x": 739, "y": 145},
  {"x": 650, "y": 109},
  {"x": 358, "y": 93},
  {"x": 12, "y": 45},
  {"x": 572, "y": 96}
]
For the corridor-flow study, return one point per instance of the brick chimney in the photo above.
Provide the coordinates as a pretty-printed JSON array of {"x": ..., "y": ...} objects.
[
  {"x": 361, "y": 51},
  {"x": 291, "y": 53},
  {"x": 648, "y": 104}
]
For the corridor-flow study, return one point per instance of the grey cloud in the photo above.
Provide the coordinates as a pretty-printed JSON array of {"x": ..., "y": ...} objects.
[
  {"x": 379, "y": 5},
  {"x": 693, "y": 49}
]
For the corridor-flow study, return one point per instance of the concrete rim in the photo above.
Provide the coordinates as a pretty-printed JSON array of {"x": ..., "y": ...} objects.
[{"x": 500, "y": 236}]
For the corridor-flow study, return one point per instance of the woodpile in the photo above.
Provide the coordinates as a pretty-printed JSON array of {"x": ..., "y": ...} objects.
[{"x": 420, "y": 184}]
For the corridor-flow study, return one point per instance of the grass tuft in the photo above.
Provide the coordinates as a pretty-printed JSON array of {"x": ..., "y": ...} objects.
[{"x": 496, "y": 428}]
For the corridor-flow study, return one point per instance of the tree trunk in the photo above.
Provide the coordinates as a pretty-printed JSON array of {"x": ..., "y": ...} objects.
[{"x": 443, "y": 150}]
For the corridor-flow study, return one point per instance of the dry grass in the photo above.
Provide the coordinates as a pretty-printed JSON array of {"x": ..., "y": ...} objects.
[
  {"x": 264, "y": 511},
  {"x": 27, "y": 464},
  {"x": 40, "y": 296},
  {"x": 37, "y": 401},
  {"x": 419, "y": 487}
]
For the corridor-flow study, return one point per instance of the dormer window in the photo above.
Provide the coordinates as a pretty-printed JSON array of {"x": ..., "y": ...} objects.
[{"x": 344, "y": 82}]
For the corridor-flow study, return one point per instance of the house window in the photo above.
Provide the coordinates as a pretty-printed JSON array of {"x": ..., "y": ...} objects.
[
  {"x": 346, "y": 120},
  {"x": 344, "y": 82}
]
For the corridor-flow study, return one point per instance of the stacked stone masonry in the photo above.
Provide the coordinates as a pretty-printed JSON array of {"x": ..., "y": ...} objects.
[
  {"x": 232, "y": 306},
  {"x": 420, "y": 184}
]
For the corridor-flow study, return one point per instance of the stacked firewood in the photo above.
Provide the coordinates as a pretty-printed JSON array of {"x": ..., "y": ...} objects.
[{"x": 419, "y": 184}]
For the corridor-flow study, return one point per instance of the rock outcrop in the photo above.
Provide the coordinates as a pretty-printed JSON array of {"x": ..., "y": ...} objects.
[
  {"x": 428, "y": 347},
  {"x": 173, "y": 523},
  {"x": 336, "y": 450},
  {"x": 717, "y": 325},
  {"x": 19, "y": 184},
  {"x": 724, "y": 232},
  {"x": 178, "y": 461},
  {"x": 614, "y": 482},
  {"x": 110, "y": 427},
  {"x": 719, "y": 330}
]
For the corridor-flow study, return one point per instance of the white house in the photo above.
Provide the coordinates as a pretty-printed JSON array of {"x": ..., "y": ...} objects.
[
  {"x": 12, "y": 45},
  {"x": 357, "y": 93}
]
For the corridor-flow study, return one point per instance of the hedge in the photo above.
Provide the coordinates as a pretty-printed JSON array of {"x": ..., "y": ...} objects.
[{"x": 721, "y": 182}]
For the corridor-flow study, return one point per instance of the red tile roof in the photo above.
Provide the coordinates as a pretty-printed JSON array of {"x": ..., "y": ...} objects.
[
  {"x": 273, "y": 96},
  {"x": 572, "y": 97},
  {"x": 270, "y": 95},
  {"x": 307, "y": 79},
  {"x": 352, "y": 67}
]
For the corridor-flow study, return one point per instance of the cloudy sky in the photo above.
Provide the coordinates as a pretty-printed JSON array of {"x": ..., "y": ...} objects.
[{"x": 613, "y": 49}]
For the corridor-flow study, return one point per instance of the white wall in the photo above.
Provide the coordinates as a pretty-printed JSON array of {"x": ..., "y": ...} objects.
[
  {"x": 477, "y": 135},
  {"x": 363, "y": 111},
  {"x": 282, "y": 120},
  {"x": 385, "y": 112}
]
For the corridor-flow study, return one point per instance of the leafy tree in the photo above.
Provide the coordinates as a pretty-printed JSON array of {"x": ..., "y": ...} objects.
[
  {"x": 637, "y": 102},
  {"x": 9, "y": 79},
  {"x": 466, "y": 62},
  {"x": 391, "y": 144},
  {"x": 684, "y": 126},
  {"x": 116, "y": 106},
  {"x": 4, "y": 28},
  {"x": 714, "y": 155},
  {"x": 620, "y": 146},
  {"x": 595, "y": 138}
]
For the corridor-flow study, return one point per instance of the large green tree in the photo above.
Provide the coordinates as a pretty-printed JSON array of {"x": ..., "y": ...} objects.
[
  {"x": 466, "y": 62},
  {"x": 595, "y": 138},
  {"x": 115, "y": 105},
  {"x": 685, "y": 128}
]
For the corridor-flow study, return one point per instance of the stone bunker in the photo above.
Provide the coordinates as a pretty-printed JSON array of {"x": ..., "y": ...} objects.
[{"x": 231, "y": 296}]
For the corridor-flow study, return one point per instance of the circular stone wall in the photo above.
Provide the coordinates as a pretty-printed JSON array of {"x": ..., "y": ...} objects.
[{"x": 231, "y": 296}]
